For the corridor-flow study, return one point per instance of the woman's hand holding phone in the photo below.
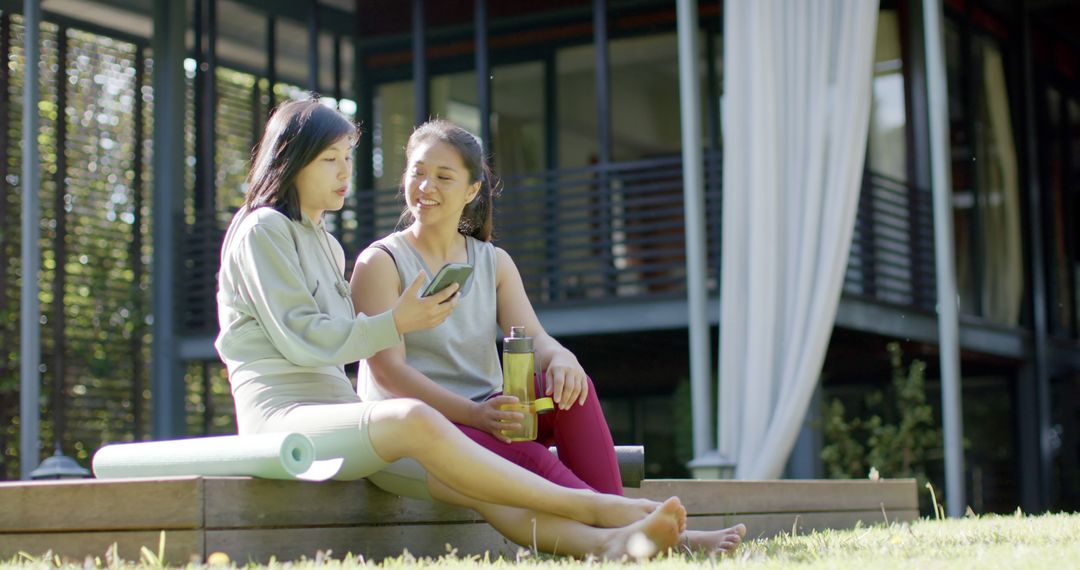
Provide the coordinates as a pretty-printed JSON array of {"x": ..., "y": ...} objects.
[{"x": 414, "y": 313}]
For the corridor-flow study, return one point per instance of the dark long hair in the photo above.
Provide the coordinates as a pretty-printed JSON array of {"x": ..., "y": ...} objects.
[
  {"x": 477, "y": 219},
  {"x": 295, "y": 135}
]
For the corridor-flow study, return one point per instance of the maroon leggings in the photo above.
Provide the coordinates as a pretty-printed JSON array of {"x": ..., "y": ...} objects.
[{"x": 586, "y": 453}]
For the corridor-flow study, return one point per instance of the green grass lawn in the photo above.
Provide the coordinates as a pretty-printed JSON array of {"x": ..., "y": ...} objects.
[{"x": 988, "y": 542}]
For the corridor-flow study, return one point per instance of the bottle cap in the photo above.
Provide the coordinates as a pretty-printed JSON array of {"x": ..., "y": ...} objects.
[
  {"x": 517, "y": 342},
  {"x": 543, "y": 405}
]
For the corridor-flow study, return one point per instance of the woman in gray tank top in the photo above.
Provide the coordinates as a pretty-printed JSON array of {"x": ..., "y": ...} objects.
[{"x": 454, "y": 367}]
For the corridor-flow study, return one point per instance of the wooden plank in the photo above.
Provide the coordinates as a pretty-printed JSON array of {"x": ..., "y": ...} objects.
[
  {"x": 727, "y": 496},
  {"x": 181, "y": 546},
  {"x": 769, "y": 525},
  {"x": 372, "y": 542},
  {"x": 102, "y": 504},
  {"x": 240, "y": 502}
]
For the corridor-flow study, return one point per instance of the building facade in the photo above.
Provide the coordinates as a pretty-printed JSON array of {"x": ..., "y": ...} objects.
[{"x": 577, "y": 102}]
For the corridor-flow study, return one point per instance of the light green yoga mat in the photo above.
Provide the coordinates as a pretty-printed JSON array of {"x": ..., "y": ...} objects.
[{"x": 269, "y": 455}]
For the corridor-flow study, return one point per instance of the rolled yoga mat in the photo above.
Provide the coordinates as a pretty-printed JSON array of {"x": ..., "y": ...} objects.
[{"x": 269, "y": 455}]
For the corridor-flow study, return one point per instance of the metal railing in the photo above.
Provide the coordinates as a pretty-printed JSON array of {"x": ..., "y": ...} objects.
[
  {"x": 615, "y": 233},
  {"x": 892, "y": 248}
]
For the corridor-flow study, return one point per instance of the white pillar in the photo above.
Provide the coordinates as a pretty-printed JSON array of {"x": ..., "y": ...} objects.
[
  {"x": 694, "y": 213},
  {"x": 948, "y": 325},
  {"x": 30, "y": 307},
  {"x": 167, "y": 382}
]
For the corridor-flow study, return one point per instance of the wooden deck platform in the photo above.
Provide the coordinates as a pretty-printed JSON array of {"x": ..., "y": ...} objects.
[{"x": 254, "y": 519}]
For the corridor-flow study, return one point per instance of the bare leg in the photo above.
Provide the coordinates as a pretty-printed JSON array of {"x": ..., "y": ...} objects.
[
  {"x": 409, "y": 428},
  {"x": 713, "y": 541},
  {"x": 559, "y": 535}
]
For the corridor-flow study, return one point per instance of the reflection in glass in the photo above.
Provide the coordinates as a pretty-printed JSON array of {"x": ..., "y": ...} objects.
[
  {"x": 999, "y": 194},
  {"x": 986, "y": 202}
]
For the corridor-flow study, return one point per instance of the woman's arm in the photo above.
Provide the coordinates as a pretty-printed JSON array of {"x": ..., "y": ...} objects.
[
  {"x": 265, "y": 266},
  {"x": 566, "y": 380},
  {"x": 375, "y": 285}
]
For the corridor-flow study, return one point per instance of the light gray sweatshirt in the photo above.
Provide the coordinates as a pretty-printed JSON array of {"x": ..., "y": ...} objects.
[{"x": 283, "y": 303}]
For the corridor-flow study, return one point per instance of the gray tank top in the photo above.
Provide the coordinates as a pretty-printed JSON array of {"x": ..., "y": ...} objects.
[{"x": 460, "y": 354}]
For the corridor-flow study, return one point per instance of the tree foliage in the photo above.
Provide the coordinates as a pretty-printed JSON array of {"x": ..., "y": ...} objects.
[{"x": 891, "y": 430}]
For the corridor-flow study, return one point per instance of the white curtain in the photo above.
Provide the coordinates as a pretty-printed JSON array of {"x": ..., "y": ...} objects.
[{"x": 797, "y": 78}]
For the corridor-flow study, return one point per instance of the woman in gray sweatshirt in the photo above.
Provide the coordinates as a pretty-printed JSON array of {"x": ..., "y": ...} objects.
[{"x": 288, "y": 328}]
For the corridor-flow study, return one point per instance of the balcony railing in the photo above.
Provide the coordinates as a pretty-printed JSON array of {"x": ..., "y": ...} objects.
[{"x": 615, "y": 233}]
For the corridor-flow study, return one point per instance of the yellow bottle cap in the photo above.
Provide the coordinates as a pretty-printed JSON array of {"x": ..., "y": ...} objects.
[{"x": 542, "y": 405}]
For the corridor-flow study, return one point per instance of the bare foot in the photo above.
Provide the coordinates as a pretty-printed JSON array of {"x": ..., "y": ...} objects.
[
  {"x": 714, "y": 541},
  {"x": 614, "y": 511},
  {"x": 650, "y": 536}
]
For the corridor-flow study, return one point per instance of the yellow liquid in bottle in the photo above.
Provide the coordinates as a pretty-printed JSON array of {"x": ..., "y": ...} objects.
[{"x": 518, "y": 382}]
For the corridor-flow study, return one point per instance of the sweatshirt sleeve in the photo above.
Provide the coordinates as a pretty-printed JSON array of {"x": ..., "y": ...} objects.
[{"x": 272, "y": 279}]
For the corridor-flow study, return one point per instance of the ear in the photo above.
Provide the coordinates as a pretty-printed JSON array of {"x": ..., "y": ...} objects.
[{"x": 473, "y": 191}]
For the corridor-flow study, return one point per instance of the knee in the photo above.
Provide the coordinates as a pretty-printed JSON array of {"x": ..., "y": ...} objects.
[{"x": 417, "y": 418}]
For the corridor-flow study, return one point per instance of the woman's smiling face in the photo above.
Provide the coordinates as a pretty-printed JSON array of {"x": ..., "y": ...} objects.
[{"x": 437, "y": 184}]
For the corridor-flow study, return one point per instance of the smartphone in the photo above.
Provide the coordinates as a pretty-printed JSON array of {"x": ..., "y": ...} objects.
[{"x": 450, "y": 273}]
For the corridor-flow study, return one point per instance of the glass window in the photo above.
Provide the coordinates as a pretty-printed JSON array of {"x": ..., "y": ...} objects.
[
  {"x": 393, "y": 124},
  {"x": 1057, "y": 262},
  {"x": 644, "y": 91},
  {"x": 986, "y": 201},
  {"x": 997, "y": 175},
  {"x": 1074, "y": 207},
  {"x": 576, "y": 88},
  {"x": 453, "y": 97},
  {"x": 518, "y": 121},
  {"x": 887, "y": 145}
]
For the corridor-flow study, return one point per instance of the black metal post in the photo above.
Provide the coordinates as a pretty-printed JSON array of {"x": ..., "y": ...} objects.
[
  {"x": 421, "y": 105},
  {"x": 365, "y": 110},
  {"x": 205, "y": 109},
  {"x": 551, "y": 176},
  {"x": 339, "y": 217},
  {"x": 1039, "y": 388},
  {"x": 135, "y": 251},
  {"x": 483, "y": 73},
  {"x": 603, "y": 142},
  {"x": 922, "y": 261},
  {"x": 969, "y": 89},
  {"x": 313, "y": 45},
  {"x": 338, "y": 93},
  {"x": 271, "y": 63},
  {"x": 257, "y": 116},
  {"x": 208, "y": 398},
  {"x": 60, "y": 250},
  {"x": 603, "y": 82}
]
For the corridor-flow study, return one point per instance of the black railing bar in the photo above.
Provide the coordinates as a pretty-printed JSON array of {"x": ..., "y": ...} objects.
[
  {"x": 674, "y": 201},
  {"x": 625, "y": 180},
  {"x": 895, "y": 223},
  {"x": 893, "y": 272},
  {"x": 884, "y": 233},
  {"x": 608, "y": 168},
  {"x": 639, "y": 218},
  {"x": 668, "y": 258},
  {"x": 893, "y": 193},
  {"x": 627, "y": 183},
  {"x": 568, "y": 269},
  {"x": 589, "y": 212},
  {"x": 888, "y": 257},
  {"x": 884, "y": 209}
]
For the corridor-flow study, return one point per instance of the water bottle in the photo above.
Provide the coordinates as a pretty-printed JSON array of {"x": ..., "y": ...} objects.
[{"x": 519, "y": 370}]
